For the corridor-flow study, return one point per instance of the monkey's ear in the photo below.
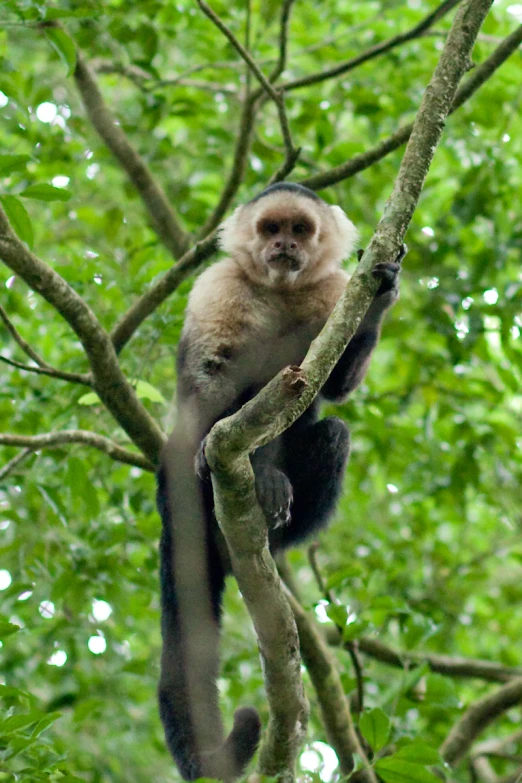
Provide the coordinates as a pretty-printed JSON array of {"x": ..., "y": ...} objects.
[
  {"x": 229, "y": 231},
  {"x": 347, "y": 235}
]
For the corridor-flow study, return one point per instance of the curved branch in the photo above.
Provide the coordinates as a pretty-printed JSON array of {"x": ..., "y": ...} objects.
[
  {"x": 160, "y": 291},
  {"x": 72, "y": 377},
  {"x": 374, "y": 51},
  {"x": 52, "y": 440},
  {"x": 163, "y": 218},
  {"x": 366, "y": 159},
  {"x": 477, "y": 717},
  {"x": 108, "y": 380}
]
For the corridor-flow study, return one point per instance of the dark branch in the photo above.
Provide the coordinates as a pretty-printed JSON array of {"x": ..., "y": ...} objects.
[
  {"x": 442, "y": 664},
  {"x": 366, "y": 159},
  {"x": 374, "y": 51}
]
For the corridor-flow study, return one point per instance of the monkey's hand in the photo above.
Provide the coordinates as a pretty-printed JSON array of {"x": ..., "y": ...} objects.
[
  {"x": 388, "y": 273},
  {"x": 200, "y": 462},
  {"x": 274, "y": 493}
]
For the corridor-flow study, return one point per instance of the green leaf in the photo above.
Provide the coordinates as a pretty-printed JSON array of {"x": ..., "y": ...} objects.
[
  {"x": 44, "y": 723},
  {"x": 44, "y": 192},
  {"x": 10, "y": 163},
  {"x": 375, "y": 728},
  {"x": 19, "y": 218},
  {"x": 63, "y": 45},
  {"x": 7, "y": 629},
  {"x": 419, "y": 753},
  {"x": 145, "y": 391},
  {"x": 396, "y": 770},
  {"x": 441, "y": 691},
  {"x": 337, "y": 614},
  {"x": 91, "y": 398}
]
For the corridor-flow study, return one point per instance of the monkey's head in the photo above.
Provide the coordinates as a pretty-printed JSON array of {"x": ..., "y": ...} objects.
[{"x": 288, "y": 236}]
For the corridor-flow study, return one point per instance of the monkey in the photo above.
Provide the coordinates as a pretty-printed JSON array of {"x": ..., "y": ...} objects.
[{"x": 248, "y": 316}]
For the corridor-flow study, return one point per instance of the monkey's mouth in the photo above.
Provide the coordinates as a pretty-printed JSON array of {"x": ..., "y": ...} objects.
[{"x": 286, "y": 261}]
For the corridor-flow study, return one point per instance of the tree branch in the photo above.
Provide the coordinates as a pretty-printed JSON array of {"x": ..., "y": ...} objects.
[
  {"x": 366, "y": 159},
  {"x": 375, "y": 50},
  {"x": 163, "y": 218},
  {"x": 337, "y": 720},
  {"x": 72, "y": 377},
  {"x": 442, "y": 664},
  {"x": 108, "y": 380},
  {"x": 160, "y": 291},
  {"x": 477, "y": 717},
  {"x": 52, "y": 440}
]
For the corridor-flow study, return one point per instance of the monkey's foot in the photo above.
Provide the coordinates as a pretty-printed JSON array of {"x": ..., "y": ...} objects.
[{"x": 274, "y": 493}]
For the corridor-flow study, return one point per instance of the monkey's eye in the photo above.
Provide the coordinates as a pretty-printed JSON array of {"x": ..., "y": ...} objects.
[
  {"x": 272, "y": 228},
  {"x": 300, "y": 228}
]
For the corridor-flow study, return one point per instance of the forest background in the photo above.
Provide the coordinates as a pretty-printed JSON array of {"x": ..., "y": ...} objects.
[{"x": 422, "y": 567}]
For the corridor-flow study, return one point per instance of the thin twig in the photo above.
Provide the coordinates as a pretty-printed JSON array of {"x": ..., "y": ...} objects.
[
  {"x": 52, "y": 440},
  {"x": 292, "y": 153},
  {"x": 283, "y": 41},
  {"x": 235, "y": 178},
  {"x": 17, "y": 337},
  {"x": 352, "y": 646},
  {"x": 162, "y": 216},
  {"x": 72, "y": 377},
  {"x": 374, "y": 51},
  {"x": 13, "y": 463},
  {"x": 358, "y": 163}
]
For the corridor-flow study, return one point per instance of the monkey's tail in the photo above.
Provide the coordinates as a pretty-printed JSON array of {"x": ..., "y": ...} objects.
[{"x": 192, "y": 581}]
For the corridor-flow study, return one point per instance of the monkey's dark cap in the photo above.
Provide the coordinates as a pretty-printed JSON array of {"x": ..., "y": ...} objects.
[{"x": 291, "y": 187}]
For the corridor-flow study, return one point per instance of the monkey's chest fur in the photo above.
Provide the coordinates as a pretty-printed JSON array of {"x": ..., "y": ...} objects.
[{"x": 253, "y": 339}]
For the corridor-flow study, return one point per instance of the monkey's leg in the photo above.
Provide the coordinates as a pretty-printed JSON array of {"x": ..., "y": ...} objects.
[{"x": 315, "y": 461}]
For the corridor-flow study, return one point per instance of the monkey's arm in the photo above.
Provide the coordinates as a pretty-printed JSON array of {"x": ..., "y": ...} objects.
[{"x": 353, "y": 364}]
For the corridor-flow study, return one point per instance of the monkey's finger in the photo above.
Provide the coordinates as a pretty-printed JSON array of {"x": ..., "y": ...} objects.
[{"x": 402, "y": 252}]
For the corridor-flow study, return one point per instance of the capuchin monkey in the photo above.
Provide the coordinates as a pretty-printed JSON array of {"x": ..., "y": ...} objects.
[{"x": 248, "y": 316}]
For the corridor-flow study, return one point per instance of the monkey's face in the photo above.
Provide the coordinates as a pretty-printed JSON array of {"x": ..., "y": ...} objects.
[
  {"x": 284, "y": 238},
  {"x": 284, "y": 242}
]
